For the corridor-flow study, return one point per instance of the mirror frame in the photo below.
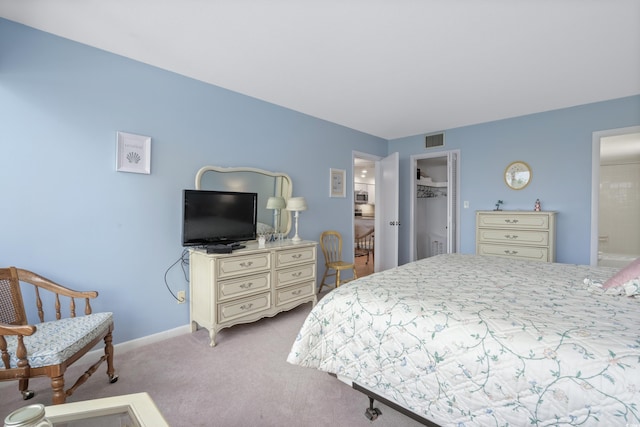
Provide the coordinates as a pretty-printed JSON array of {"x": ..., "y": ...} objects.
[
  {"x": 280, "y": 177},
  {"x": 517, "y": 168}
]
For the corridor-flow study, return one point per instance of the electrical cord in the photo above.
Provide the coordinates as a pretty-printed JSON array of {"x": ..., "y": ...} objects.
[{"x": 184, "y": 263}]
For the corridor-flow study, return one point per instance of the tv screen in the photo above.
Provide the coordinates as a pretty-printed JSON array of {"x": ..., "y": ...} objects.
[{"x": 215, "y": 217}]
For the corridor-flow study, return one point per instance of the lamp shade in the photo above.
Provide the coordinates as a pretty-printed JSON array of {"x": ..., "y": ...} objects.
[
  {"x": 297, "y": 204},
  {"x": 276, "y": 203}
]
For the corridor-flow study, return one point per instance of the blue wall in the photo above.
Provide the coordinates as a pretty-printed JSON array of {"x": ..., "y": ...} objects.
[
  {"x": 68, "y": 215},
  {"x": 556, "y": 144}
]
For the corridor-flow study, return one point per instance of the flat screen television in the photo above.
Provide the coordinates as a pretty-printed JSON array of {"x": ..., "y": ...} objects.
[{"x": 218, "y": 217}]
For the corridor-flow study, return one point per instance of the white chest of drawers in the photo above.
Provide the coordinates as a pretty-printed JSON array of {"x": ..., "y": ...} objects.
[
  {"x": 517, "y": 234},
  {"x": 249, "y": 284}
]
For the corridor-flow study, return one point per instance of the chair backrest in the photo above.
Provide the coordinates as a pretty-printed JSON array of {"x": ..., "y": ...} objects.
[
  {"x": 331, "y": 244},
  {"x": 365, "y": 241},
  {"x": 11, "y": 305}
]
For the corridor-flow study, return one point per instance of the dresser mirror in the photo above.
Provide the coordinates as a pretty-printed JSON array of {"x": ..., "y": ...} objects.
[
  {"x": 517, "y": 175},
  {"x": 251, "y": 180}
]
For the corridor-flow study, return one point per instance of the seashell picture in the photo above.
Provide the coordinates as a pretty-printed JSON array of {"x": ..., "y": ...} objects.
[
  {"x": 133, "y": 153},
  {"x": 134, "y": 157}
]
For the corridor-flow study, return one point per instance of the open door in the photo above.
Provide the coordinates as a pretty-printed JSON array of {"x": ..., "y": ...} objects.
[{"x": 387, "y": 212}]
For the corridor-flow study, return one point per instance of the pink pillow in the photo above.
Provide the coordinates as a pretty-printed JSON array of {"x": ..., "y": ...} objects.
[{"x": 631, "y": 271}]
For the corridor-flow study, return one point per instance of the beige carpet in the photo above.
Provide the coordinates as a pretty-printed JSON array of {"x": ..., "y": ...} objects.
[{"x": 243, "y": 381}]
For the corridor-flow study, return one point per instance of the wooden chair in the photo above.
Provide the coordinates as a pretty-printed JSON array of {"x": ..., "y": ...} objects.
[
  {"x": 331, "y": 244},
  {"x": 364, "y": 244},
  {"x": 49, "y": 347}
]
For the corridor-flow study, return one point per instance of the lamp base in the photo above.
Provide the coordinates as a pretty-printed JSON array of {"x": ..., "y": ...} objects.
[{"x": 296, "y": 239}]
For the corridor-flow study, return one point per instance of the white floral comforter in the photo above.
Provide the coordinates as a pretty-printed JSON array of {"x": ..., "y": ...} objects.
[{"x": 471, "y": 340}]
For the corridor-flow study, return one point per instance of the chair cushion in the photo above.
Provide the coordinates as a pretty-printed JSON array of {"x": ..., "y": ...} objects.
[{"x": 58, "y": 340}]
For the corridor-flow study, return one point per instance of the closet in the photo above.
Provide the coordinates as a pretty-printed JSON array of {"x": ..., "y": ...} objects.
[{"x": 431, "y": 207}]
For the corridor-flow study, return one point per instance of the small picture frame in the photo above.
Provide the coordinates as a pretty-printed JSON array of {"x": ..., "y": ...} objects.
[
  {"x": 133, "y": 153},
  {"x": 337, "y": 184}
]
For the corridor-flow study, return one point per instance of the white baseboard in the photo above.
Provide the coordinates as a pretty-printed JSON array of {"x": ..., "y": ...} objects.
[{"x": 124, "y": 347}]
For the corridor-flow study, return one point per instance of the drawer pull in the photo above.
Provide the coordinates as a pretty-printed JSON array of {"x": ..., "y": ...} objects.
[
  {"x": 246, "y": 264},
  {"x": 296, "y": 256},
  {"x": 296, "y": 274},
  {"x": 298, "y": 292},
  {"x": 511, "y": 221},
  {"x": 246, "y": 285},
  {"x": 510, "y": 252},
  {"x": 511, "y": 236},
  {"x": 246, "y": 306}
]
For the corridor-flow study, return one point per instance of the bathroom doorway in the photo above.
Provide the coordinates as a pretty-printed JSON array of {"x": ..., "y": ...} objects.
[{"x": 616, "y": 197}]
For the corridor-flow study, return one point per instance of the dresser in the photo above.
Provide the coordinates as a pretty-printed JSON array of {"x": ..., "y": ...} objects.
[
  {"x": 250, "y": 283},
  {"x": 517, "y": 234}
]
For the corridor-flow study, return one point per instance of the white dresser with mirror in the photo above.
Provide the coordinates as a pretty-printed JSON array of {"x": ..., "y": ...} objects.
[{"x": 256, "y": 281}]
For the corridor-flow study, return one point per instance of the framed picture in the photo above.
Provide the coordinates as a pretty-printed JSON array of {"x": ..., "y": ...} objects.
[
  {"x": 338, "y": 186},
  {"x": 133, "y": 153}
]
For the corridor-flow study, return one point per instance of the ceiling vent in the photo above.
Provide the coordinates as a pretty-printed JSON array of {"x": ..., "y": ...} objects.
[{"x": 435, "y": 140}]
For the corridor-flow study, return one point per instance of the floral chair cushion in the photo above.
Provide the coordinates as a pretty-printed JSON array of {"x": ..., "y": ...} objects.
[{"x": 56, "y": 341}]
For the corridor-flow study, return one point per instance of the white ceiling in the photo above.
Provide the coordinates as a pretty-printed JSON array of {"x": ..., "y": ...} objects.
[{"x": 390, "y": 68}]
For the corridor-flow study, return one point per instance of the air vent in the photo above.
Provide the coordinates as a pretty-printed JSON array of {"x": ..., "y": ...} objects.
[{"x": 435, "y": 140}]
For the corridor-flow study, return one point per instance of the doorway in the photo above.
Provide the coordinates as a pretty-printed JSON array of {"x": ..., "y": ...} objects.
[
  {"x": 615, "y": 229},
  {"x": 364, "y": 209},
  {"x": 434, "y": 204},
  {"x": 385, "y": 208}
]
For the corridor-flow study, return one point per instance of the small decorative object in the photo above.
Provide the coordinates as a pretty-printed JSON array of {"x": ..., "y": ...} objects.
[
  {"x": 517, "y": 175},
  {"x": 296, "y": 204},
  {"x": 262, "y": 239},
  {"x": 498, "y": 203},
  {"x": 537, "y": 207},
  {"x": 133, "y": 153},
  {"x": 337, "y": 183}
]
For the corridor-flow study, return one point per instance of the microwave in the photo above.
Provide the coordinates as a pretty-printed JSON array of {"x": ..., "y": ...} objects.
[{"x": 361, "y": 197}]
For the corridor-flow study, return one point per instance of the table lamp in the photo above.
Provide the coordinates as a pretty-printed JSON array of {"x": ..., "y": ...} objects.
[
  {"x": 296, "y": 204},
  {"x": 276, "y": 203}
]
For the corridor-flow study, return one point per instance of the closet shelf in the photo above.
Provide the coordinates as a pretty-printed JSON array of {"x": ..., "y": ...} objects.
[{"x": 429, "y": 183}]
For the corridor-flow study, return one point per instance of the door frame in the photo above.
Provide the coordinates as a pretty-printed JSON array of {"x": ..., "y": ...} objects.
[
  {"x": 451, "y": 203},
  {"x": 595, "y": 183}
]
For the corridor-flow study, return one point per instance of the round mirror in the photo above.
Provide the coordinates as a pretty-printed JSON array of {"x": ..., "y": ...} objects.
[
  {"x": 266, "y": 184},
  {"x": 517, "y": 175}
]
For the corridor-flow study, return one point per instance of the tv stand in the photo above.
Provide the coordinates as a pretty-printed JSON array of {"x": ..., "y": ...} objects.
[{"x": 250, "y": 283}]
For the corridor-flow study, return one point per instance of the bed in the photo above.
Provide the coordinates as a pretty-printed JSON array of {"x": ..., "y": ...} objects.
[{"x": 471, "y": 340}]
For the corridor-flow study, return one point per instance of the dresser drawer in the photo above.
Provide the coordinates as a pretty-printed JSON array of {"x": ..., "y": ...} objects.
[
  {"x": 295, "y": 292},
  {"x": 525, "y": 237},
  {"x": 242, "y": 286},
  {"x": 513, "y": 251},
  {"x": 516, "y": 220},
  {"x": 243, "y": 264},
  {"x": 296, "y": 274},
  {"x": 239, "y": 308},
  {"x": 295, "y": 256}
]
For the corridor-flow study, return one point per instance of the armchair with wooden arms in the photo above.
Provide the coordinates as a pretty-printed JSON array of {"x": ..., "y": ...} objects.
[{"x": 49, "y": 347}]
